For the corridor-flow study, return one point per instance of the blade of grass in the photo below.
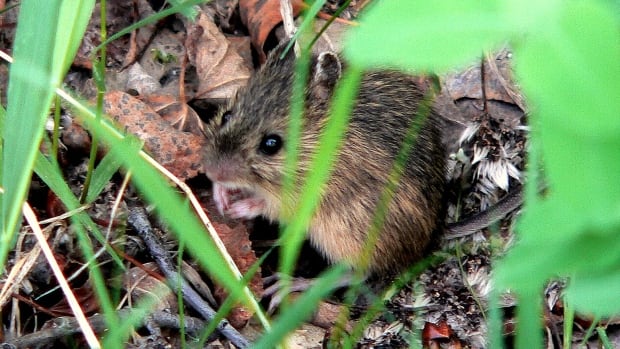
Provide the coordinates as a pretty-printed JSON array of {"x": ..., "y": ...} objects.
[
  {"x": 569, "y": 318},
  {"x": 52, "y": 177},
  {"x": 99, "y": 76},
  {"x": 29, "y": 96},
  {"x": 43, "y": 50},
  {"x": 107, "y": 167},
  {"x": 602, "y": 333},
  {"x": 329, "y": 144},
  {"x": 301, "y": 309}
]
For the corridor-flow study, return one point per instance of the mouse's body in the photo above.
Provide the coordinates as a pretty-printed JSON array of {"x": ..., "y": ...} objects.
[{"x": 245, "y": 159}]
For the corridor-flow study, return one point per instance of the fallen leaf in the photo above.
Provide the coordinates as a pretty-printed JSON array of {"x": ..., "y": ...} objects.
[
  {"x": 221, "y": 70},
  {"x": 440, "y": 331},
  {"x": 85, "y": 296},
  {"x": 178, "y": 114},
  {"x": 239, "y": 246},
  {"x": 260, "y": 17},
  {"x": 176, "y": 150},
  {"x": 140, "y": 285}
]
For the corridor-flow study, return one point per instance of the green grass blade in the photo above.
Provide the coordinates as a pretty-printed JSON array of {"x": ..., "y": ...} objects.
[
  {"x": 43, "y": 50},
  {"x": 73, "y": 17},
  {"x": 301, "y": 309},
  {"x": 325, "y": 156},
  {"x": 107, "y": 167},
  {"x": 30, "y": 92}
]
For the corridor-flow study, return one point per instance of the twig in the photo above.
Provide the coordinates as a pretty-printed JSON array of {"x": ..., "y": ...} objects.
[
  {"x": 139, "y": 221},
  {"x": 66, "y": 326},
  {"x": 286, "y": 10}
]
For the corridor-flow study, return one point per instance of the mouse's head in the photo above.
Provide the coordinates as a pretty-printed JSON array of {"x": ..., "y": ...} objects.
[{"x": 245, "y": 153}]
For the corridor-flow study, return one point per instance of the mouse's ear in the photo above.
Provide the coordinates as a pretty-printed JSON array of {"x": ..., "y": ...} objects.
[{"x": 326, "y": 71}]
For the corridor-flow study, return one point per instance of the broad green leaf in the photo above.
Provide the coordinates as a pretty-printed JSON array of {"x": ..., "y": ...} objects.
[
  {"x": 426, "y": 35},
  {"x": 552, "y": 247},
  {"x": 571, "y": 76},
  {"x": 595, "y": 291}
]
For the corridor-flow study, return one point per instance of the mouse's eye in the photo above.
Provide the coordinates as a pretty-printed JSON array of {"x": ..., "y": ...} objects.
[
  {"x": 225, "y": 117},
  {"x": 270, "y": 144}
]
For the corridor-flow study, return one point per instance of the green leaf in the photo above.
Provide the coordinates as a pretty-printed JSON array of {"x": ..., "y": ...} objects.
[
  {"x": 553, "y": 247},
  {"x": 107, "y": 167},
  {"x": 595, "y": 291},
  {"x": 29, "y": 96},
  {"x": 301, "y": 309},
  {"x": 571, "y": 76},
  {"x": 73, "y": 17},
  {"x": 425, "y": 35}
]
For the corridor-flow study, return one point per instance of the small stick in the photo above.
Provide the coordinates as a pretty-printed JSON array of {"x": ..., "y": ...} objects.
[{"x": 139, "y": 221}]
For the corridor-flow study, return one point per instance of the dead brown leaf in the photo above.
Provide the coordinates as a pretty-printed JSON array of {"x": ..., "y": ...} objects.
[
  {"x": 179, "y": 115},
  {"x": 221, "y": 70},
  {"x": 140, "y": 285},
  {"x": 239, "y": 246},
  {"x": 260, "y": 17},
  {"x": 85, "y": 296},
  {"x": 435, "y": 334},
  {"x": 176, "y": 150},
  {"x": 468, "y": 83}
]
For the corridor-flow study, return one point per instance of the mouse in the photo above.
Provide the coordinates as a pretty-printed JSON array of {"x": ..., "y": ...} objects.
[{"x": 245, "y": 157}]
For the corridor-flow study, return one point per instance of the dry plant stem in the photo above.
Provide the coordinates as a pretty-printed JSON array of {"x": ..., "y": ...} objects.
[
  {"x": 21, "y": 269},
  {"x": 88, "y": 332},
  {"x": 65, "y": 215},
  {"x": 286, "y": 10},
  {"x": 85, "y": 266},
  {"x": 66, "y": 326},
  {"x": 139, "y": 221}
]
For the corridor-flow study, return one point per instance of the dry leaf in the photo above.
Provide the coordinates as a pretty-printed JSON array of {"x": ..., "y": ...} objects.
[
  {"x": 140, "y": 284},
  {"x": 178, "y": 151},
  {"x": 440, "y": 331},
  {"x": 468, "y": 83},
  {"x": 260, "y": 17},
  {"x": 239, "y": 246},
  {"x": 85, "y": 296},
  {"x": 179, "y": 115},
  {"x": 221, "y": 70}
]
